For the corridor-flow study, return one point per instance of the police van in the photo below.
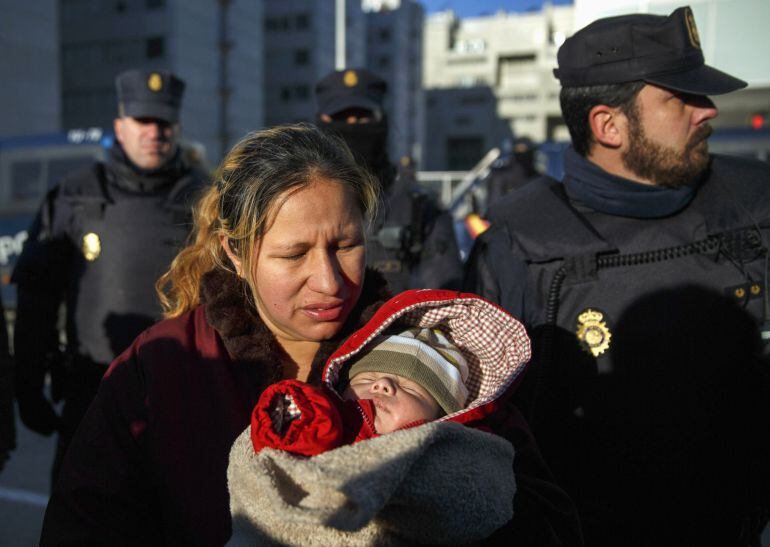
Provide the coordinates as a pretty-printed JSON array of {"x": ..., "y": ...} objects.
[{"x": 29, "y": 167}]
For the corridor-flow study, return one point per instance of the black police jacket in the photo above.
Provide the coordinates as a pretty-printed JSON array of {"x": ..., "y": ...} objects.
[
  {"x": 99, "y": 242},
  {"x": 646, "y": 351},
  {"x": 413, "y": 243}
]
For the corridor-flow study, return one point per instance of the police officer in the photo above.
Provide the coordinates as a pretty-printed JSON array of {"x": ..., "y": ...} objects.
[
  {"x": 7, "y": 422},
  {"x": 643, "y": 279},
  {"x": 512, "y": 171},
  {"x": 413, "y": 241},
  {"x": 101, "y": 239}
]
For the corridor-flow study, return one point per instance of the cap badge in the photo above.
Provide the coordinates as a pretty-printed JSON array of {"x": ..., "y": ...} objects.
[
  {"x": 592, "y": 332},
  {"x": 350, "y": 78},
  {"x": 92, "y": 246},
  {"x": 692, "y": 30},
  {"x": 155, "y": 82}
]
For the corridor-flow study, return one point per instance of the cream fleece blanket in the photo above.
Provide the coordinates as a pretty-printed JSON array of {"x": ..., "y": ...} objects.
[{"x": 439, "y": 483}]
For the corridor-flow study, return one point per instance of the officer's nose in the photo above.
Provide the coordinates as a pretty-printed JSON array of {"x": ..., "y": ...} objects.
[
  {"x": 704, "y": 109},
  {"x": 384, "y": 386},
  {"x": 153, "y": 129},
  {"x": 326, "y": 277}
]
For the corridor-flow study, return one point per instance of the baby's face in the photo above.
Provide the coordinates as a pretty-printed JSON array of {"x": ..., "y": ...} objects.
[{"x": 398, "y": 401}]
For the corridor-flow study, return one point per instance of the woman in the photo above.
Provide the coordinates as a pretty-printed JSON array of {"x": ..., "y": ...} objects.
[{"x": 271, "y": 285}]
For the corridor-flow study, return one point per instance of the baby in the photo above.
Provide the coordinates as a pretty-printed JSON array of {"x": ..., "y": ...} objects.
[
  {"x": 401, "y": 381},
  {"x": 415, "y": 376}
]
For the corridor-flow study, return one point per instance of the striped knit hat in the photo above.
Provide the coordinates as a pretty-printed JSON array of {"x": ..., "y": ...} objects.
[{"x": 426, "y": 357}]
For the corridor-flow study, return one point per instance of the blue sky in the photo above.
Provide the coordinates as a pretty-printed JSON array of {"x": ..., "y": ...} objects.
[{"x": 470, "y": 8}]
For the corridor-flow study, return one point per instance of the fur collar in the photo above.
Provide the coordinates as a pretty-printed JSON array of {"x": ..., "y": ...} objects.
[{"x": 226, "y": 302}]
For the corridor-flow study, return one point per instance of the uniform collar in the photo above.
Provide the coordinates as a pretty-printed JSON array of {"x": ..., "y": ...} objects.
[
  {"x": 128, "y": 176},
  {"x": 591, "y": 185}
]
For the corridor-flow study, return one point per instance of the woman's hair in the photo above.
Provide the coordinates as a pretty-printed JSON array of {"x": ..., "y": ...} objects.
[{"x": 240, "y": 205}]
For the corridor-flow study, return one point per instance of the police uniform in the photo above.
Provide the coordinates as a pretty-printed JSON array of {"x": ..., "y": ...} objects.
[
  {"x": 100, "y": 241},
  {"x": 412, "y": 242},
  {"x": 644, "y": 305}
]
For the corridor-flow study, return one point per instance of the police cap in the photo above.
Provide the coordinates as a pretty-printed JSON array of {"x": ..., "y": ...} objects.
[
  {"x": 657, "y": 49},
  {"x": 149, "y": 94},
  {"x": 351, "y": 88}
]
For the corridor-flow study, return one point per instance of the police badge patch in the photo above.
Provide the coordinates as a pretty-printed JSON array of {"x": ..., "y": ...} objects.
[
  {"x": 155, "y": 82},
  {"x": 350, "y": 78},
  {"x": 692, "y": 30},
  {"x": 592, "y": 332},
  {"x": 92, "y": 246}
]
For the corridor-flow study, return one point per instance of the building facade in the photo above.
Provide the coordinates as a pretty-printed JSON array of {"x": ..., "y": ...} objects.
[
  {"x": 394, "y": 51},
  {"x": 29, "y": 68},
  {"x": 490, "y": 79},
  {"x": 300, "y": 50},
  {"x": 215, "y": 46}
]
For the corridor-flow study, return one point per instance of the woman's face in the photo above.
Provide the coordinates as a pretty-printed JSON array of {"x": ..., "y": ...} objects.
[{"x": 309, "y": 266}]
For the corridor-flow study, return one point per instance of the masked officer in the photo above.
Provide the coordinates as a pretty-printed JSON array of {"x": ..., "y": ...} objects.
[
  {"x": 513, "y": 170},
  {"x": 643, "y": 278},
  {"x": 101, "y": 239},
  {"x": 413, "y": 241}
]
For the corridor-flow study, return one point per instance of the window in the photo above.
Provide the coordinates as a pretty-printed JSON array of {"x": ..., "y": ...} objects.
[
  {"x": 471, "y": 45},
  {"x": 464, "y": 152},
  {"x": 473, "y": 99},
  {"x": 301, "y": 92},
  {"x": 285, "y": 94},
  {"x": 383, "y": 62},
  {"x": 384, "y": 35},
  {"x": 154, "y": 4},
  {"x": 301, "y": 57},
  {"x": 155, "y": 47},
  {"x": 302, "y": 21},
  {"x": 276, "y": 23},
  {"x": 462, "y": 120},
  {"x": 25, "y": 179},
  {"x": 120, "y": 6}
]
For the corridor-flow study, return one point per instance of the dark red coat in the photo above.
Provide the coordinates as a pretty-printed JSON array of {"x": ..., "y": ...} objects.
[{"x": 148, "y": 463}]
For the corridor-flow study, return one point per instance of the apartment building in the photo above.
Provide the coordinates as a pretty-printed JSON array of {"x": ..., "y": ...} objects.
[
  {"x": 490, "y": 79},
  {"x": 29, "y": 68},
  {"x": 394, "y": 51},
  {"x": 300, "y": 49}
]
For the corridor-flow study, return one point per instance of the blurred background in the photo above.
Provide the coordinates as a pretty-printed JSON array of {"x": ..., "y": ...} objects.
[{"x": 471, "y": 94}]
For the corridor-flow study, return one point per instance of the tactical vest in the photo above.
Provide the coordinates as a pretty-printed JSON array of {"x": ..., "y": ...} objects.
[
  {"x": 585, "y": 269},
  {"x": 635, "y": 337},
  {"x": 123, "y": 242}
]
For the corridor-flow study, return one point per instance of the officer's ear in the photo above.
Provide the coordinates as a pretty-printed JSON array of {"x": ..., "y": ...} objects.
[
  {"x": 117, "y": 126},
  {"x": 608, "y": 125},
  {"x": 225, "y": 242}
]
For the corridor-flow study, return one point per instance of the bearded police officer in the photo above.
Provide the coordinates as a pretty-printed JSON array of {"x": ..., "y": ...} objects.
[
  {"x": 101, "y": 239},
  {"x": 413, "y": 243},
  {"x": 643, "y": 279}
]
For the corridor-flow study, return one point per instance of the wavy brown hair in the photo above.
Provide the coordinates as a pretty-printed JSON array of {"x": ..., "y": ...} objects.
[{"x": 240, "y": 205}]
